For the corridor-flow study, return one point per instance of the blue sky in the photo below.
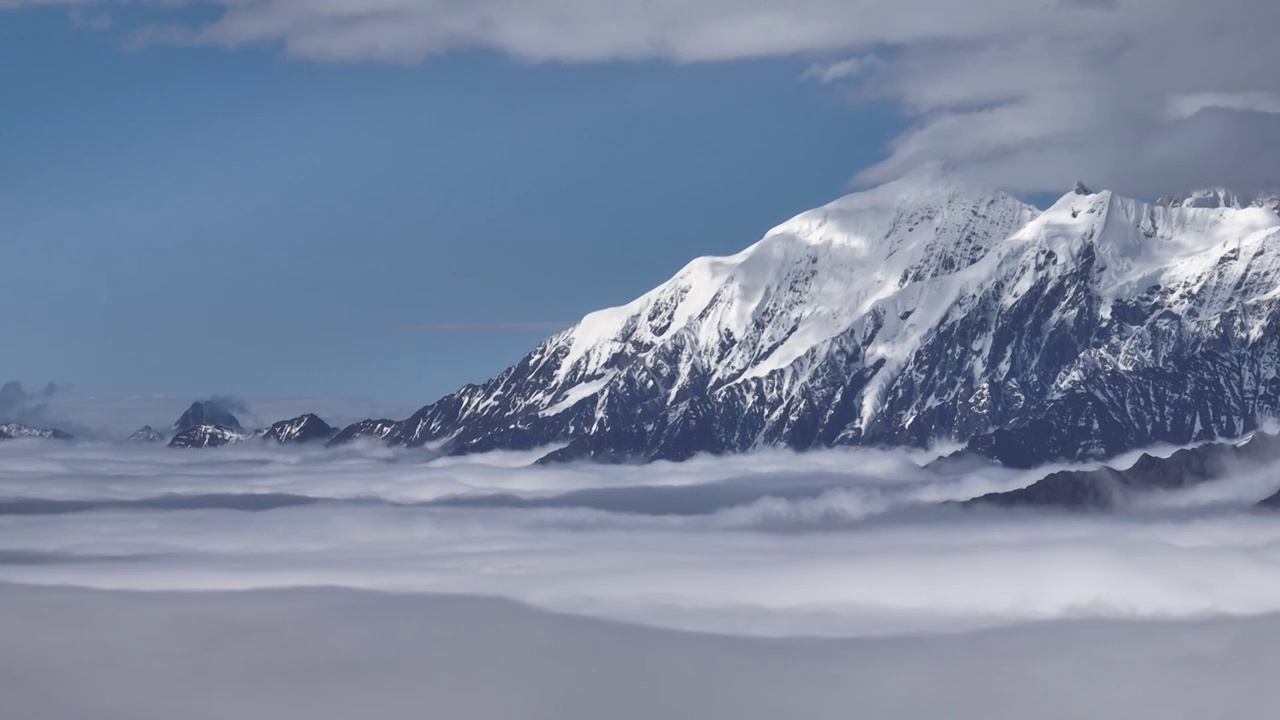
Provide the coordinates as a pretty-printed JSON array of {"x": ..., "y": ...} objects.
[
  {"x": 389, "y": 198},
  {"x": 197, "y": 220}
]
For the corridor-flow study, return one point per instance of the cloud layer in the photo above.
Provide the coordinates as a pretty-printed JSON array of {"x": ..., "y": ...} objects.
[
  {"x": 1143, "y": 96},
  {"x": 834, "y": 543},
  {"x": 1166, "y": 607},
  {"x": 321, "y": 654}
]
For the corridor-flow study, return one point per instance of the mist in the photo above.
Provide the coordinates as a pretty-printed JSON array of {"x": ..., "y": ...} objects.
[
  {"x": 837, "y": 543},
  {"x": 326, "y": 653},
  {"x": 105, "y": 418},
  {"x": 28, "y": 408},
  {"x": 322, "y": 582}
]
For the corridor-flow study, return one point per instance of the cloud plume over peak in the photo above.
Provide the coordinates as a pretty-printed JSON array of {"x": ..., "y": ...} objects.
[{"x": 18, "y": 405}]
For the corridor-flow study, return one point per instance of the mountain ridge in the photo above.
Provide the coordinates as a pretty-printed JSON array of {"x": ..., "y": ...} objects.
[
  {"x": 1112, "y": 486},
  {"x": 13, "y": 430},
  {"x": 926, "y": 310}
]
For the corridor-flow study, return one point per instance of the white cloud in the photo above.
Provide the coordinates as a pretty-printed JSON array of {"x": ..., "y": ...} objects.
[
  {"x": 1091, "y": 100},
  {"x": 1144, "y": 96},
  {"x": 586, "y": 30},
  {"x": 1184, "y": 106},
  {"x": 830, "y": 543},
  {"x": 317, "y": 654},
  {"x": 847, "y": 69},
  {"x": 838, "y": 544}
]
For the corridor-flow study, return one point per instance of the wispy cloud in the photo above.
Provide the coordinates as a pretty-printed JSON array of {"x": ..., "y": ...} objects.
[
  {"x": 18, "y": 405},
  {"x": 847, "y": 69},
  {"x": 1143, "y": 96},
  {"x": 83, "y": 19},
  {"x": 495, "y": 326}
]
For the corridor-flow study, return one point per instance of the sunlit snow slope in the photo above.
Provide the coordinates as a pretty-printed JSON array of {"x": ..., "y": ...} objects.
[{"x": 929, "y": 309}]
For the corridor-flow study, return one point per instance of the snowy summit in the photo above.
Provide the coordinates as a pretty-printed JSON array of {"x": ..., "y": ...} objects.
[{"x": 929, "y": 309}]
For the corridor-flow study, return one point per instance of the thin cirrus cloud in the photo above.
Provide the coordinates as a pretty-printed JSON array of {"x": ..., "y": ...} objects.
[
  {"x": 495, "y": 326},
  {"x": 1143, "y": 96}
]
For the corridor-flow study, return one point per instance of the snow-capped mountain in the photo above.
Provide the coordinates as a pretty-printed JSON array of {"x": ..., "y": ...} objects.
[
  {"x": 1162, "y": 327},
  {"x": 302, "y": 429},
  {"x": 146, "y": 434},
  {"x": 925, "y": 310},
  {"x": 367, "y": 429},
  {"x": 206, "y": 413},
  {"x": 9, "y": 431},
  {"x": 207, "y": 436}
]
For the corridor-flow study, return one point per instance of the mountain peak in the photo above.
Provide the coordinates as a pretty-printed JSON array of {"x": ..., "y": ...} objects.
[
  {"x": 304, "y": 428},
  {"x": 932, "y": 179},
  {"x": 146, "y": 434},
  {"x": 207, "y": 413},
  {"x": 1205, "y": 198},
  {"x": 18, "y": 430},
  {"x": 926, "y": 310},
  {"x": 206, "y": 436},
  {"x": 873, "y": 214},
  {"x": 807, "y": 281}
]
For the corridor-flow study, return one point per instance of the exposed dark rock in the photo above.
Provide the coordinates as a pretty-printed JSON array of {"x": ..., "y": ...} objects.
[
  {"x": 206, "y": 436},
  {"x": 1271, "y": 503},
  {"x": 1107, "y": 487},
  {"x": 1033, "y": 350},
  {"x": 302, "y": 429},
  {"x": 378, "y": 429},
  {"x": 207, "y": 413}
]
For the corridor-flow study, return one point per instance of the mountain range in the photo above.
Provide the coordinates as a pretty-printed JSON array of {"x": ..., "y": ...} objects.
[
  {"x": 204, "y": 426},
  {"x": 928, "y": 311},
  {"x": 1108, "y": 487},
  {"x": 9, "y": 431}
]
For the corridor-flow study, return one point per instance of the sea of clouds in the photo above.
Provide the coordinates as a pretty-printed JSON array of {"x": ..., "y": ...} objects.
[
  {"x": 837, "y": 543},
  {"x": 143, "y": 581}
]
